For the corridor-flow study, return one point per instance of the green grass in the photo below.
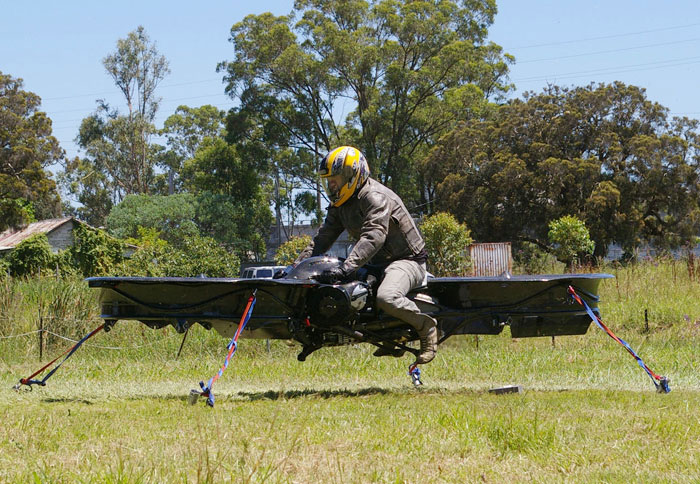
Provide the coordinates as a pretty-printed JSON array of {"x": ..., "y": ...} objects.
[{"x": 589, "y": 413}]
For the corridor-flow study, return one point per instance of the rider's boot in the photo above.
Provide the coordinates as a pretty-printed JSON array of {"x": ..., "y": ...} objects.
[{"x": 428, "y": 341}]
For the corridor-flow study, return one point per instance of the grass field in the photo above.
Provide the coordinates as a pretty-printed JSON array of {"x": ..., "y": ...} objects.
[{"x": 589, "y": 413}]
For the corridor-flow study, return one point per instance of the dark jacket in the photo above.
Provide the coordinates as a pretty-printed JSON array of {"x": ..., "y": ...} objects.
[{"x": 378, "y": 220}]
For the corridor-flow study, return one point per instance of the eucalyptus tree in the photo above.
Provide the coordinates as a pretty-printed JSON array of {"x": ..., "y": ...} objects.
[
  {"x": 119, "y": 156},
  {"x": 602, "y": 153},
  {"x": 27, "y": 149},
  {"x": 185, "y": 131},
  {"x": 389, "y": 77}
]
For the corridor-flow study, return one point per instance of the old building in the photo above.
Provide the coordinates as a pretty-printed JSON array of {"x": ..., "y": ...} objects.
[{"x": 59, "y": 231}]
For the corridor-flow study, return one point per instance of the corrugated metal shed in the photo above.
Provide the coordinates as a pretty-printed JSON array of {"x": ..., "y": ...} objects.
[
  {"x": 491, "y": 259},
  {"x": 10, "y": 238}
]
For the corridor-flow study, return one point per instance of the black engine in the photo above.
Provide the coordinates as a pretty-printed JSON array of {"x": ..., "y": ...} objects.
[{"x": 332, "y": 305}]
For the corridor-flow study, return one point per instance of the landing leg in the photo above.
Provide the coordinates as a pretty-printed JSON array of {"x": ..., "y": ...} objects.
[{"x": 306, "y": 350}]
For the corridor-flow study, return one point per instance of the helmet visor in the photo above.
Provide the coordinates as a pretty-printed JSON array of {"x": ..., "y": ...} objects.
[{"x": 332, "y": 185}]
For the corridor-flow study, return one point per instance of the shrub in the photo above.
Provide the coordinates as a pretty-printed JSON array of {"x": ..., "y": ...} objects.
[
  {"x": 94, "y": 252},
  {"x": 4, "y": 267},
  {"x": 571, "y": 240},
  {"x": 288, "y": 252},
  {"x": 531, "y": 259},
  {"x": 31, "y": 256},
  {"x": 446, "y": 241},
  {"x": 197, "y": 255}
]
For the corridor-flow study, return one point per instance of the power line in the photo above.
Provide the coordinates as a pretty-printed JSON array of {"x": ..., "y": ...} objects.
[
  {"x": 113, "y": 91},
  {"x": 614, "y": 36},
  {"x": 617, "y": 69},
  {"x": 164, "y": 103},
  {"x": 607, "y": 51}
]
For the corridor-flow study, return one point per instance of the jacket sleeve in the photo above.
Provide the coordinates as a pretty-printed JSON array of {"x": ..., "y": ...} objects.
[
  {"x": 324, "y": 238},
  {"x": 375, "y": 226}
]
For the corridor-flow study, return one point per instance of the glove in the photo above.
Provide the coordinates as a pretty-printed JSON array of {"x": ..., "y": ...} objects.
[
  {"x": 282, "y": 273},
  {"x": 331, "y": 276}
]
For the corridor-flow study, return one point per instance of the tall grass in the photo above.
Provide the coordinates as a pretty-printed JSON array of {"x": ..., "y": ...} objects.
[{"x": 664, "y": 289}]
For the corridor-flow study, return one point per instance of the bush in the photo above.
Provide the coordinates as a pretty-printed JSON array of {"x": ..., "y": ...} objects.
[
  {"x": 571, "y": 240},
  {"x": 94, "y": 252},
  {"x": 31, "y": 256},
  {"x": 531, "y": 259},
  {"x": 197, "y": 255},
  {"x": 147, "y": 260},
  {"x": 203, "y": 255},
  {"x": 446, "y": 241},
  {"x": 288, "y": 252},
  {"x": 4, "y": 267}
]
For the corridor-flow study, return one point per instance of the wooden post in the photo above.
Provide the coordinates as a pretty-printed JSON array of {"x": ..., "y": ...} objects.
[
  {"x": 476, "y": 341},
  {"x": 41, "y": 336},
  {"x": 646, "y": 320}
]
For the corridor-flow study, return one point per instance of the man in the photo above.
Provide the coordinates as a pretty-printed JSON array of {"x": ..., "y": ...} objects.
[{"x": 385, "y": 233}]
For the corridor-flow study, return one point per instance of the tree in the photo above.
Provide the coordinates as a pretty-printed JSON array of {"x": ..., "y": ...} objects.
[
  {"x": 185, "y": 131},
  {"x": 27, "y": 148},
  {"x": 570, "y": 239},
  {"x": 173, "y": 216},
  {"x": 232, "y": 207},
  {"x": 119, "y": 156},
  {"x": 388, "y": 77},
  {"x": 602, "y": 153},
  {"x": 137, "y": 68},
  {"x": 446, "y": 241}
]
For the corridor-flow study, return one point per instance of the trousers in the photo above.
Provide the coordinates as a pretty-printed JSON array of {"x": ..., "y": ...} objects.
[{"x": 400, "y": 277}]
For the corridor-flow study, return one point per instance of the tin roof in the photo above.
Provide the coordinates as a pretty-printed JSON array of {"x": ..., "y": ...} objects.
[{"x": 11, "y": 237}]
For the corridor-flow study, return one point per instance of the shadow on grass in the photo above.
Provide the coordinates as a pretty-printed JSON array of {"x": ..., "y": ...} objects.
[
  {"x": 66, "y": 400},
  {"x": 272, "y": 395},
  {"x": 278, "y": 395}
]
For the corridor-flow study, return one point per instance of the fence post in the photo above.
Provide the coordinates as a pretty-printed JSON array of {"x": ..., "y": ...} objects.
[
  {"x": 646, "y": 320},
  {"x": 41, "y": 336}
]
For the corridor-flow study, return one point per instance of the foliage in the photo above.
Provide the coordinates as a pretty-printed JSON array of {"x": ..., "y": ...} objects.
[
  {"x": 185, "y": 131},
  {"x": 147, "y": 259},
  {"x": 236, "y": 225},
  {"x": 173, "y": 216},
  {"x": 195, "y": 256},
  {"x": 530, "y": 258},
  {"x": 31, "y": 256},
  {"x": 410, "y": 70},
  {"x": 446, "y": 241},
  {"x": 288, "y": 252},
  {"x": 241, "y": 226},
  {"x": 232, "y": 206},
  {"x": 27, "y": 192},
  {"x": 571, "y": 240},
  {"x": 4, "y": 267},
  {"x": 204, "y": 256},
  {"x": 94, "y": 252},
  {"x": 136, "y": 67},
  {"x": 119, "y": 156},
  {"x": 604, "y": 154}
]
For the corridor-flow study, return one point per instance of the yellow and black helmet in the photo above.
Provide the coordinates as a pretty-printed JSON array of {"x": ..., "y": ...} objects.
[{"x": 351, "y": 165}]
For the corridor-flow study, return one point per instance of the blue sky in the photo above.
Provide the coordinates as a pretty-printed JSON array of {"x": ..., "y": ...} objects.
[{"x": 57, "y": 49}]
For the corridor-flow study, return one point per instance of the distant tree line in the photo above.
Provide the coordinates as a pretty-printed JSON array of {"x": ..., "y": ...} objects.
[
  {"x": 602, "y": 153},
  {"x": 415, "y": 85}
]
